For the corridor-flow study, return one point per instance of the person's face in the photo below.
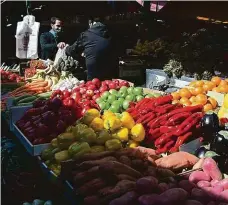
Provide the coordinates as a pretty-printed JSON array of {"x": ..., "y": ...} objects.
[{"x": 57, "y": 27}]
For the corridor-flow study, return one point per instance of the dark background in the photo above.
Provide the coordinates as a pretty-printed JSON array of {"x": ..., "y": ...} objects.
[{"x": 179, "y": 17}]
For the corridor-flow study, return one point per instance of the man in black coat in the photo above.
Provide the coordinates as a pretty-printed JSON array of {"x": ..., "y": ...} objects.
[
  {"x": 98, "y": 48},
  {"x": 51, "y": 41}
]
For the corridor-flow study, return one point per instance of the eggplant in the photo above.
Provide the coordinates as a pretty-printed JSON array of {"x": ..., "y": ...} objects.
[
  {"x": 209, "y": 125},
  {"x": 219, "y": 143},
  {"x": 200, "y": 153}
]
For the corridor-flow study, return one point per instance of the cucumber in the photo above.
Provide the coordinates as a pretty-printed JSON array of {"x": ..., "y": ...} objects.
[
  {"x": 24, "y": 104},
  {"x": 28, "y": 99},
  {"x": 45, "y": 95},
  {"x": 17, "y": 99}
]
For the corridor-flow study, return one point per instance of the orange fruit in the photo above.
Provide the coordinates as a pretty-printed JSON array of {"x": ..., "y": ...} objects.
[
  {"x": 196, "y": 103},
  {"x": 201, "y": 98},
  {"x": 213, "y": 102},
  {"x": 216, "y": 80},
  {"x": 192, "y": 99},
  {"x": 176, "y": 96},
  {"x": 199, "y": 83},
  {"x": 197, "y": 91},
  {"x": 213, "y": 85},
  {"x": 184, "y": 100},
  {"x": 223, "y": 89},
  {"x": 207, "y": 107},
  {"x": 207, "y": 87},
  {"x": 175, "y": 102},
  {"x": 216, "y": 89},
  {"x": 226, "y": 80},
  {"x": 222, "y": 83},
  {"x": 187, "y": 103},
  {"x": 192, "y": 84},
  {"x": 184, "y": 92}
]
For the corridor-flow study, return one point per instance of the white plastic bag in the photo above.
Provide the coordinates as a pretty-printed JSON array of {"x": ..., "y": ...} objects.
[{"x": 60, "y": 53}]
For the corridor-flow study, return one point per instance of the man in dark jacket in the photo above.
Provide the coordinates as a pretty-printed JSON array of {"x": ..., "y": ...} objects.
[
  {"x": 51, "y": 41},
  {"x": 97, "y": 46}
]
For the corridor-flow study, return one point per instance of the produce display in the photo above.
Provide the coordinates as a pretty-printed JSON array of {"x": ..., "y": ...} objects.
[
  {"x": 223, "y": 111},
  {"x": 46, "y": 120},
  {"x": 167, "y": 125},
  {"x": 118, "y": 101},
  {"x": 10, "y": 77}
]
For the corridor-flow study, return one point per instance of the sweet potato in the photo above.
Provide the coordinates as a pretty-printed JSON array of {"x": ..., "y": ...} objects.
[
  {"x": 126, "y": 199},
  {"x": 103, "y": 192},
  {"x": 172, "y": 185},
  {"x": 148, "y": 151},
  {"x": 92, "y": 186},
  {"x": 151, "y": 171},
  {"x": 211, "y": 203},
  {"x": 125, "y": 160},
  {"x": 173, "y": 161},
  {"x": 172, "y": 196},
  {"x": 197, "y": 176},
  {"x": 148, "y": 199},
  {"x": 163, "y": 173},
  {"x": 192, "y": 202},
  {"x": 223, "y": 183},
  {"x": 210, "y": 167},
  {"x": 201, "y": 184},
  {"x": 88, "y": 164},
  {"x": 92, "y": 200},
  {"x": 186, "y": 185},
  {"x": 118, "y": 168},
  {"x": 138, "y": 164},
  {"x": 162, "y": 187},
  {"x": 146, "y": 185},
  {"x": 125, "y": 177},
  {"x": 199, "y": 195}
]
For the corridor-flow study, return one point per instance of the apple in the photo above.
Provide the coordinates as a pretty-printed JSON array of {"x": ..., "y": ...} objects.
[
  {"x": 76, "y": 96},
  {"x": 113, "y": 92},
  {"x": 116, "y": 102},
  {"x": 111, "y": 98},
  {"x": 108, "y": 82},
  {"x": 116, "y": 82},
  {"x": 66, "y": 94},
  {"x": 89, "y": 83},
  {"x": 124, "y": 83},
  {"x": 95, "y": 97},
  {"x": 98, "y": 100},
  {"x": 103, "y": 83},
  {"x": 126, "y": 104},
  {"x": 114, "y": 108},
  {"x": 112, "y": 85},
  {"x": 91, "y": 87},
  {"x": 123, "y": 88},
  {"x": 89, "y": 93},
  {"x": 130, "y": 90},
  {"x": 82, "y": 91},
  {"x": 107, "y": 106},
  {"x": 96, "y": 82},
  {"x": 96, "y": 92},
  {"x": 138, "y": 91},
  {"x": 103, "y": 88},
  {"x": 121, "y": 100},
  {"x": 102, "y": 105},
  {"x": 105, "y": 95},
  {"x": 139, "y": 97},
  {"x": 82, "y": 85},
  {"x": 122, "y": 93},
  {"x": 77, "y": 89},
  {"x": 130, "y": 97}
]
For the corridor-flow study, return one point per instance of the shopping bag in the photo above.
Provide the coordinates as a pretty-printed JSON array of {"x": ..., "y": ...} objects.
[{"x": 60, "y": 53}]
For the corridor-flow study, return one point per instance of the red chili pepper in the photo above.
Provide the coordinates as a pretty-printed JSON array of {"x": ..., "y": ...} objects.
[
  {"x": 142, "y": 118},
  {"x": 177, "y": 118},
  {"x": 166, "y": 148},
  {"x": 155, "y": 123},
  {"x": 163, "y": 100},
  {"x": 181, "y": 140},
  {"x": 148, "y": 119},
  {"x": 192, "y": 109},
  {"x": 129, "y": 110},
  {"x": 188, "y": 124},
  {"x": 164, "y": 139},
  {"x": 166, "y": 129},
  {"x": 141, "y": 102},
  {"x": 153, "y": 134},
  {"x": 165, "y": 108}
]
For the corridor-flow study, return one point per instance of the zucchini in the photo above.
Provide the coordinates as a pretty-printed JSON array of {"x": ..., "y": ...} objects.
[
  {"x": 45, "y": 95},
  {"x": 17, "y": 99},
  {"x": 28, "y": 99},
  {"x": 24, "y": 104}
]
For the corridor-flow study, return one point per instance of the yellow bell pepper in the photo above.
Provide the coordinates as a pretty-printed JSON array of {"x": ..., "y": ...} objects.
[
  {"x": 127, "y": 120},
  {"x": 138, "y": 133},
  {"x": 121, "y": 134},
  {"x": 90, "y": 115},
  {"x": 107, "y": 113},
  {"x": 225, "y": 102},
  {"x": 223, "y": 112},
  {"x": 112, "y": 123},
  {"x": 97, "y": 124},
  {"x": 132, "y": 144}
]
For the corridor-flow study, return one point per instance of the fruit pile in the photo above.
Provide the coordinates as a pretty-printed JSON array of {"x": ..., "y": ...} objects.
[
  {"x": 118, "y": 101},
  {"x": 9, "y": 77},
  {"x": 85, "y": 94},
  {"x": 94, "y": 133},
  {"x": 167, "y": 125},
  {"x": 46, "y": 120}
]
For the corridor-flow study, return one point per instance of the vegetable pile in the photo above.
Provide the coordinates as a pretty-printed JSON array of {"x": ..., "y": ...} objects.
[
  {"x": 46, "y": 120},
  {"x": 9, "y": 77},
  {"x": 167, "y": 125}
]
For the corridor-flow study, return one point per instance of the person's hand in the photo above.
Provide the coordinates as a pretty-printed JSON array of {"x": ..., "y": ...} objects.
[{"x": 61, "y": 45}]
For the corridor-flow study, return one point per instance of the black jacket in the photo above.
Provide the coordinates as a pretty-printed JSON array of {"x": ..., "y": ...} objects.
[
  {"x": 99, "y": 50},
  {"x": 48, "y": 45}
]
